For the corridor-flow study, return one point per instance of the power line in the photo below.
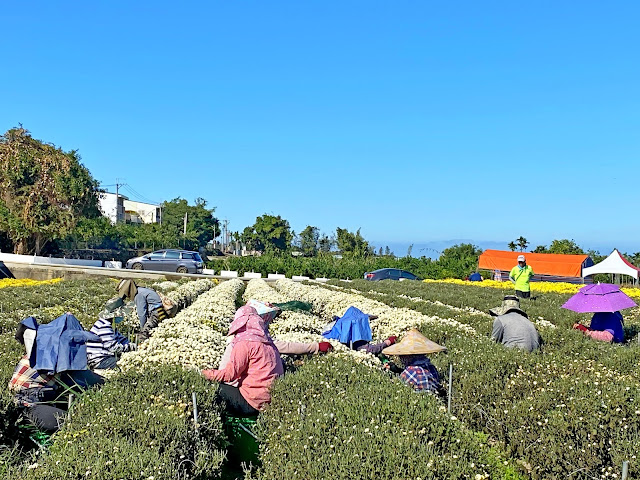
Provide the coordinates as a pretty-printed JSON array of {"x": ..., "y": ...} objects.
[{"x": 139, "y": 196}]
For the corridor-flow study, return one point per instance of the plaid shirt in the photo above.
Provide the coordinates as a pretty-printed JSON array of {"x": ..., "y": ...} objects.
[
  {"x": 25, "y": 377},
  {"x": 422, "y": 376}
]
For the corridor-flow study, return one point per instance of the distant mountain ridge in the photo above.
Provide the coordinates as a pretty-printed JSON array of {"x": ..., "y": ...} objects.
[{"x": 433, "y": 249}]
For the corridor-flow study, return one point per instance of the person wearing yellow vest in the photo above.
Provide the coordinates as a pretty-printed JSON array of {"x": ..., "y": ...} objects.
[{"x": 520, "y": 275}]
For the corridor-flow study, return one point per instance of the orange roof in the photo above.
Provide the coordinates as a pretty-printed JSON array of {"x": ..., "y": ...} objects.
[{"x": 542, "y": 263}]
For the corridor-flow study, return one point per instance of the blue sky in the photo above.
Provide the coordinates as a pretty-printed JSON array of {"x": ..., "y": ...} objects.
[{"x": 414, "y": 121}]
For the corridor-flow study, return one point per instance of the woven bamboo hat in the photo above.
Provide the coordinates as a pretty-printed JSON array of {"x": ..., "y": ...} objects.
[
  {"x": 414, "y": 343},
  {"x": 510, "y": 303}
]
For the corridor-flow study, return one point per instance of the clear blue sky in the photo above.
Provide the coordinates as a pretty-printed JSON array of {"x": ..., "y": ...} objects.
[{"x": 414, "y": 121}]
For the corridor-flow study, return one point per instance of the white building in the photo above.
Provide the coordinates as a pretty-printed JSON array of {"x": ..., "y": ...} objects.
[{"x": 118, "y": 208}]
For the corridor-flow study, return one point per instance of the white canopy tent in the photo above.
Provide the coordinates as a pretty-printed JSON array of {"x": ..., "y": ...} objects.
[{"x": 614, "y": 264}]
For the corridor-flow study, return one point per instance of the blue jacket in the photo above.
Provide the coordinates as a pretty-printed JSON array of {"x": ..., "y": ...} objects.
[
  {"x": 61, "y": 345},
  {"x": 351, "y": 327}
]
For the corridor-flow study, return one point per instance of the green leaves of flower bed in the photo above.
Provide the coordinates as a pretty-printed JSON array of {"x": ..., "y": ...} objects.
[
  {"x": 138, "y": 426},
  {"x": 334, "y": 418}
]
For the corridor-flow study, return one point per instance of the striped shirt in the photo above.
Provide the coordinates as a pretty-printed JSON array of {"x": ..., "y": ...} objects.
[
  {"x": 25, "y": 377},
  {"x": 109, "y": 344}
]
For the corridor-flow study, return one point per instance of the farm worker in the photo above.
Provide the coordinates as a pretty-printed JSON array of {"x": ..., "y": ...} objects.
[
  {"x": 512, "y": 326},
  {"x": 268, "y": 312},
  {"x": 101, "y": 355},
  {"x": 475, "y": 277},
  {"x": 148, "y": 306},
  {"x": 605, "y": 326},
  {"x": 353, "y": 330},
  {"x": 42, "y": 396},
  {"x": 418, "y": 371},
  {"x": 254, "y": 364},
  {"x": 520, "y": 275}
]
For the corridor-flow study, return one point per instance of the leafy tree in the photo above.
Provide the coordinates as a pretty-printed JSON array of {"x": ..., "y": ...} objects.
[
  {"x": 326, "y": 243},
  {"x": 43, "y": 191},
  {"x": 387, "y": 251},
  {"x": 540, "y": 249},
  {"x": 459, "y": 260},
  {"x": 353, "y": 243},
  {"x": 269, "y": 233},
  {"x": 512, "y": 246},
  {"x": 568, "y": 247},
  {"x": 309, "y": 238},
  {"x": 200, "y": 222},
  {"x": 380, "y": 252}
]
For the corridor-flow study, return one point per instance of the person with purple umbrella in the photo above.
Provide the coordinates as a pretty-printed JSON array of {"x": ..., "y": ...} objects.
[
  {"x": 605, "y": 301},
  {"x": 605, "y": 326}
]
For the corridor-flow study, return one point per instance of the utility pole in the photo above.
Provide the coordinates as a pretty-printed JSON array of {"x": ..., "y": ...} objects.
[
  {"x": 184, "y": 232},
  {"x": 225, "y": 237},
  {"x": 118, "y": 185}
]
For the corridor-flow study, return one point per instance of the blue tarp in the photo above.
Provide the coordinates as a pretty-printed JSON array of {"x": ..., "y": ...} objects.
[
  {"x": 351, "y": 327},
  {"x": 475, "y": 277},
  {"x": 61, "y": 345}
]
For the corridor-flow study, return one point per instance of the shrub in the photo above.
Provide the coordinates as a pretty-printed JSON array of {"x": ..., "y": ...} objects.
[
  {"x": 335, "y": 418},
  {"x": 138, "y": 426}
]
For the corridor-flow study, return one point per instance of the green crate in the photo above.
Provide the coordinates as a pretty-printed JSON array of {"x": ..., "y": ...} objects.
[{"x": 245, "y": 446}]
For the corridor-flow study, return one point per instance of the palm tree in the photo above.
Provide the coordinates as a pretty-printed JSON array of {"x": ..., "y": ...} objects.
[
  {"x": 512, "y": 246},
  {"x": 522, "y": 243}
]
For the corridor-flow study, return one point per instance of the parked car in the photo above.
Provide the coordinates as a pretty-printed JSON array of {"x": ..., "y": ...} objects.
[
  {"x": 181, "y": 261},
  {"x": 390, "y": 274}
]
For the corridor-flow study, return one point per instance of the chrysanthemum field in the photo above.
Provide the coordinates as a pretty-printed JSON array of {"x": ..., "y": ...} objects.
[{"x": 569, "y": 411}]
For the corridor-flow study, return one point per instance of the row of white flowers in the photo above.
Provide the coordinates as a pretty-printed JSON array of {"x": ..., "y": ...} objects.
[
  {"x": 391, "y": 321},
  {"x": 299, "y": 326},
  {"x": 196, "y": 337},
  {"x": 540, "y": 321}
]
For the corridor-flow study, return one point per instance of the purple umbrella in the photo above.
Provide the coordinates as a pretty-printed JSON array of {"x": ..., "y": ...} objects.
[{"x": 601, "y": 297}]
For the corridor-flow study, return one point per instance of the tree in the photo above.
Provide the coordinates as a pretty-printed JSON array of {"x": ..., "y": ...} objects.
[
  {"x": 353, "y": 244},
  {"x": 409, "y": 250},
  {"x": 43, "y": 191},
  {"x": 512, "y": 246},
  {"x": 521, "y": 243},
  {"x": 380, "y": 252},
  {"x": 459, "y": 260},
  {"x": 200, "y": 222},
  {"x": 540, "y": 249},
  {"x": 269, "y": 233},
  {"x": 387, "y": 251},
  {"x": 568, "y": 247},
  {"x": 326, "y": 243},
  {"x": 309, "y": 238}
]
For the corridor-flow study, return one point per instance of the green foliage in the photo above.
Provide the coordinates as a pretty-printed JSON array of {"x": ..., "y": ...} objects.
[
  {"x": 138, "y": 425},
  {"x": 200, "y": 222},
  {"x": 572, "y": 410},
  {"x": 337, "y": 418},
  {"x": 100, "y": 233},
  {"x": 43, "y": 191},
  {"x": 309, "y": 238},
  {"x": 269, "y": 233},
  {"x": 353, "y": 244},
  {"x": 456, "y": 262},
  {"x": 565, "y": 246}
]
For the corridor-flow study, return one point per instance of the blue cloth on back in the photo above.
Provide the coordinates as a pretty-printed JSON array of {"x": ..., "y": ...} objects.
[
  {"x": 475, "y": 277},
  {"x": 351, "y": 327},
  {"x": 610, "y": 322},
  {"x": 61, "y": 345}
]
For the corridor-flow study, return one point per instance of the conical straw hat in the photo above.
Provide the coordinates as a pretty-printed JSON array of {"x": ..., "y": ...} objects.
[{"x": 413, "y": 343}]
